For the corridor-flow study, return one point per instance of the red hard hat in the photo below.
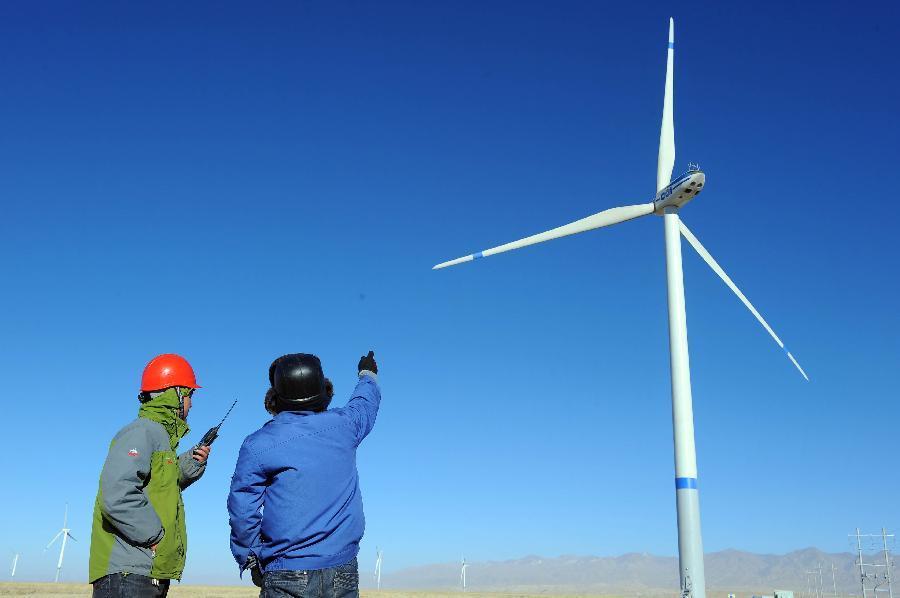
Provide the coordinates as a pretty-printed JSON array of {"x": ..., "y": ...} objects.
[{"x": 168, "y": 370}]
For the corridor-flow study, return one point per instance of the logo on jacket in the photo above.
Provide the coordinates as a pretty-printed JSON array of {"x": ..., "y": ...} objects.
[{"x": 133, "y": 453}]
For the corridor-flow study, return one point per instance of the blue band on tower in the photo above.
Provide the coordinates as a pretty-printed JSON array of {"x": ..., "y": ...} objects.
[
  {"x": 475, "y": 256},
  {"x": 685, "y": 483},
  {"x": 671, "y": 45}
]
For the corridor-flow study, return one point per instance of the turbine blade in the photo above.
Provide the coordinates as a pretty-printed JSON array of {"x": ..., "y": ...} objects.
[
  {"x": 71, "y": 537},
  {"x": 55, "y": 538},
  {"x": 600, "y": 219},
  {"x": 666, "y": 159},
  {"x": 718, "y": 270}
]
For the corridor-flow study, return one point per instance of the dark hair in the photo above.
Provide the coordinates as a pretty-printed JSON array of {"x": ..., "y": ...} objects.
[{"x": 269, "y": 401}]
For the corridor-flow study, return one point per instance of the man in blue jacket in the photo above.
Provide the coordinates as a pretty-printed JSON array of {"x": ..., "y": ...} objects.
[{"x": 295, "y": 506}]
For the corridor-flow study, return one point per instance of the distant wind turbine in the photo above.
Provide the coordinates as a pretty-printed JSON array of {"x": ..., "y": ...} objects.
[
  {"x": 462, "y": 574},
  {"x": 64, "y": 534},
  {"x": 379, "y": 555},
  {"x": 15, "y": 562},
  {"x": 670, "y": 197}
]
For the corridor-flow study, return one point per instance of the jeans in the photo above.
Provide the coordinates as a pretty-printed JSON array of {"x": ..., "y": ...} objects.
[
  {"x": 337, "y": 582},
  {"x": 131, "y": 585}
]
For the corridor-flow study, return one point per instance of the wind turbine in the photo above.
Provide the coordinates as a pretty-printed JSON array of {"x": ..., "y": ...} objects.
[
  {"x": 670, "y": 197},
  {"x": 64, "y": 534},
  {"x": 462, "y": 574},
  {"x": 15, "y": 562},
  {"x": 379, "y": 556}
]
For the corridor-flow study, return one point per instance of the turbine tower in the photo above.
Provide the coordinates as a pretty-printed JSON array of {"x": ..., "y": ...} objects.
[
  {"x": 462, "y": 574},
  {"x": 64, "y": 534},
  {"x": 379, "y": 556},
  {"x": 670, "y": 197},
  {"x": 15, "y": 562}
]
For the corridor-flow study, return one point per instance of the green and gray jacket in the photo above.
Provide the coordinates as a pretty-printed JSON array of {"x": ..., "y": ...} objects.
[{"x": 139, "y": 499}]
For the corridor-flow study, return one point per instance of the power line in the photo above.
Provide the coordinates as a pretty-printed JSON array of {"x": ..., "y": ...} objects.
[{"x": 875, "y": 577}]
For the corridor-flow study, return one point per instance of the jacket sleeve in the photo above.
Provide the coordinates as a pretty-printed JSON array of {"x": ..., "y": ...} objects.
[
  {"x": 363, "y": 405},
  {"x": 125, "y": 473},
  {"x": 248, "y": 487},
  {"x": 189, "y": 470}
]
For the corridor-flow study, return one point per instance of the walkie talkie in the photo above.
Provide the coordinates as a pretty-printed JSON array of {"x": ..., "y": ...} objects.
[{"x": 213, "y": 432}]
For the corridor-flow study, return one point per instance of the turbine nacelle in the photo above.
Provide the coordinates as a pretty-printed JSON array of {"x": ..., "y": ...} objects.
[{"x": 679, "y": 192}]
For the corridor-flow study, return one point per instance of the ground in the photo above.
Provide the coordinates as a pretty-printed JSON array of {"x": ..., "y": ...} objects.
[{"x": 63, "y": 590}]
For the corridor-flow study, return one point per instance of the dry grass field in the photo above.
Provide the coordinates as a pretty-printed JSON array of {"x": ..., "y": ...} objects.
[{"x": 65, "y": 590}]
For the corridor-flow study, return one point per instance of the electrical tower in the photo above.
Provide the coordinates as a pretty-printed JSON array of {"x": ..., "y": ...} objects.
[
  {"x": 876, "y": 577},
  {"x": 834, "y": 581},
  {"x": 814, "y": 583}
]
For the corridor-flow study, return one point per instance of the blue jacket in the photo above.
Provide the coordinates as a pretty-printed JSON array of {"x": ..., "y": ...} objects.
[{"x": 295, "y": 501}]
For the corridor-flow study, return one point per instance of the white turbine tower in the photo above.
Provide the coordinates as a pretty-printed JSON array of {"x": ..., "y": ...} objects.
[
  {"x": 64, "y": 534},
  {"x": 379, "y": 557},
  {"x": 15, "y": 562},
  {"x": 670, "y": 196},
  {"x": 462, "y": 574}
]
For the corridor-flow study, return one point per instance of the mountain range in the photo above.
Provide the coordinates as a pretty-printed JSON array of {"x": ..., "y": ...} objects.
[{"x": 639, "y": 574}]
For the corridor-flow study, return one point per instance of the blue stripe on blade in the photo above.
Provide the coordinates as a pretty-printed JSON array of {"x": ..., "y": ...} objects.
[
  {"x": 685, "y": 483},
  {"x": 480, "y": 254},
  {"x": 671, "y": 45}
]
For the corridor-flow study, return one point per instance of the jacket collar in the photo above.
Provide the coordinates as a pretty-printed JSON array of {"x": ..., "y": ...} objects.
[{"x": 163, "y": 409}]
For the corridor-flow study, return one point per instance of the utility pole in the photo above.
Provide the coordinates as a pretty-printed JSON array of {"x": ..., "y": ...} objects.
[
  {"x": 812, "y": 582},
  {"x": 820, "y": 591},
  {"x": 888, "y": 563},
  {"x": 834, "y": 580},
  {"x": 859, "y": 560}
]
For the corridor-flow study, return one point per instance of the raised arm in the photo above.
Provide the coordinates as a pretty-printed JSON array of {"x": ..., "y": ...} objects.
[{"x": 363, "y": 405}]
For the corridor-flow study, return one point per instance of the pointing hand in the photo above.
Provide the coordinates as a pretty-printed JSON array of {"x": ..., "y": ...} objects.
[{"x": 367, "y": 362}]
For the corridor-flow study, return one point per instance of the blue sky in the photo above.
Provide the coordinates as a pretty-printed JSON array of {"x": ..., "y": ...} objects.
[{"x": 234, "y": 182}]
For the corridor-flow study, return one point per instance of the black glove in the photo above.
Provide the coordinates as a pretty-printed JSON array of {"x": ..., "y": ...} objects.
[
  {"x": 367, "y": 362},
  {"x": 255, "y": 574}
]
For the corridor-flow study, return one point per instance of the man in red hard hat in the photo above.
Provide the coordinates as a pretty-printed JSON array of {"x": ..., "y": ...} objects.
[{"x": 139, "y": 539}]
